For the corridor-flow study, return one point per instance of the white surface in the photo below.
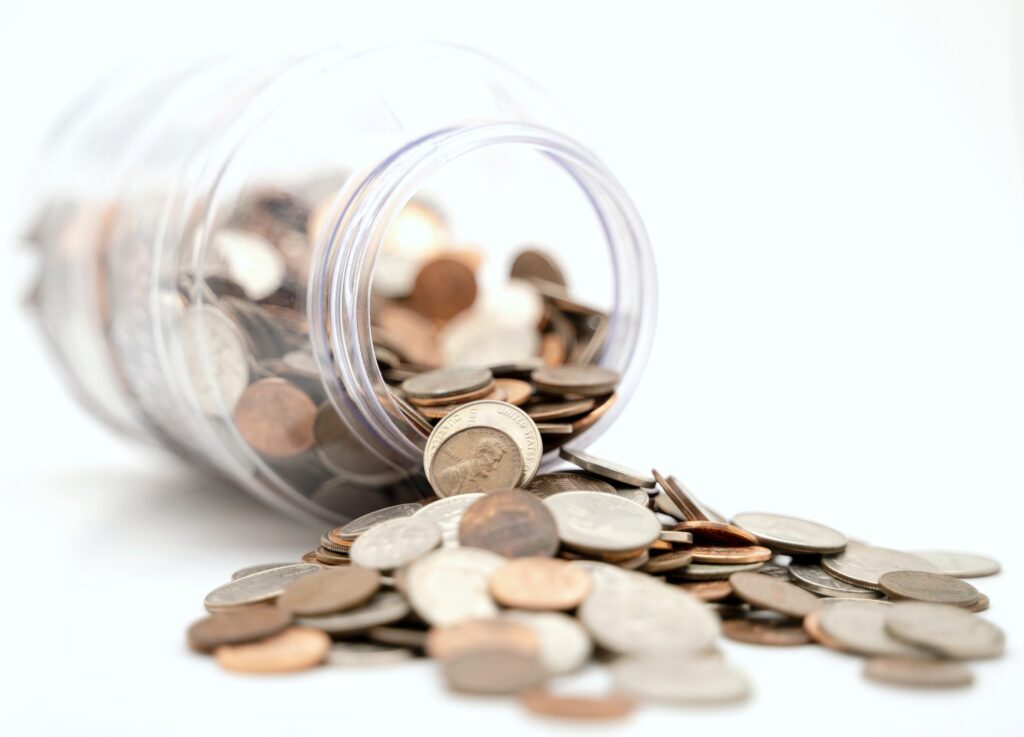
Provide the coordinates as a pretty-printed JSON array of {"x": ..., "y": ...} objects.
[{"x": 835, "y": 195}]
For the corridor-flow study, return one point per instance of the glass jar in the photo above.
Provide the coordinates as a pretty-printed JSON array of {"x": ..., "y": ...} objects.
[{"x": 233, "y": 224}]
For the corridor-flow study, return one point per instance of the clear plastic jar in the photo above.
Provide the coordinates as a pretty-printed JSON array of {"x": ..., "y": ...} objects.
[{"x": 206, "y": 228}]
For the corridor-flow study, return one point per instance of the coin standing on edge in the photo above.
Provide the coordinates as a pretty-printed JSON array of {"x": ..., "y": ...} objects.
[{"x": 607, "y": 469}]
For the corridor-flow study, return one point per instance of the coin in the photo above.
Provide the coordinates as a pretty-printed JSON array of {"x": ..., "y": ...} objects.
[
  {"x": 481, "y": 634},
  {"x": 923, "y": 586},
  {"x": 384, "y": 608},
  {"x": 510, "y": 522},
  {"x": 727, "y": 554},
  {"x": 575, "y": 379},
  {"x": 252, "y": 262},
  {"x": 812, "y": 625},
  {"x": 594, "y": 522},
  {"x": 259, "y": 568},
  {"x": 564, "y": 644},
  {"x": 329, "y": 557},
  {"x": 535, "y": 264},
  {"x": 443, "y": 288},
  {"x": 980, "y": 605},
  {"x": 540, "y": 584},
  {"x": 790, "y": 534},
  {"x": 493, "y": 671},
  {"x": 342, "y": 452},
  {"x": 714, "y": 571},
  {"x": 679, "y": 503},
  {"x": 208, "y": 336},
  {"x": 559, "y": 410},
  {"x": 961, "y": 565},
  {"x": 234, "y": 626},
  {"x": 708, "y": 590},
  {"x": 947, "y": 630},
  {"x": 447, "y": 514},
  {"x": 476, "y": 459},
  {"x": 637, "y": 496},
  {"x": 706, "y": 532},
  {"x": 859, "y": 626},
  {"x": 545, "y": 703},
  {"x": 517, "y": 391},
  {"x": 296, "y": 648},
  {"x": 414, "y": 334},
  {"x": 359, "y": 525},
  {"x": 258, "y": 587},
  {"x": 607, "y": 469},
  {"x": 810, "y": 576},
  {"x": 667, "y": 562},
  {"x": 363, "y": 654},
  {"x": 676, "y": 538},
  {"x": 401, "y": 636},
  {"x": 446, "y": 382},
  {"x": 276, "y": 418},
  {"x": 395, "y": 543},
  {"x": 330, "y": 591},
  {"x": 451, "y": 585},
  {"x": 554, "y": 483},
  {"x": 770, "y": 593},
  {"x": 765, "y": 633},
  {"x": 863, "y": 565},
  {"x": 917, "y": 672},
  {"x": 659, "y": 677}
]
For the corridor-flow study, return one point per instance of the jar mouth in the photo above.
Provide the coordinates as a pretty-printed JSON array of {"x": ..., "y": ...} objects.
[{"x": 347, "y": 251}]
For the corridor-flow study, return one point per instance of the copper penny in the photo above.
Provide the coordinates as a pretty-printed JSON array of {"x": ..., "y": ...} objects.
[
  {"x": 443, "y": 288},
  {"x": 559, "y": 410},
  {"x": 330, "y": 591},
  {"x": 764, "y": 633},
  {"x": 493, "y": 671},
  {"x": 540, "y": 584},
  {"x": 296, "y": 648},
  {"x": 476, "y": 459},
  {"x": 235, "y": 626},
  {"x": 675, "y": 491},
  {"x": 708, "y": 590},
  {"x": 517, "y": 391},
  {"x": 668, "y": 561},
  {"x": 330, "y": 557},
  {"x": 476, "y": 634},
  {"x": 585, "y": 380},
  {"x": 535, "y": 264},
  {"x": 812, "y": 625},
  {"x": 936, "y": 588},
  {"x": 770, "y": 593},
  {"x": 309, "y": 557},
  {"x": 727, "y": 554},
  {"x": 415, "y": 335},
  {"x": 510, "y": 522},
  {"x": 552, "y": 349},
  {"x": 610, "y": 706},
  {"x": 276, "y": 418},
  {"x": 916, "y": 671},
  {"x": 706, "y": 532}
]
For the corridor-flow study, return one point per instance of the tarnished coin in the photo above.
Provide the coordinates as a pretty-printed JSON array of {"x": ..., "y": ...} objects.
[
  {"x": 493, "y": 671},
  {"x": 234, "y": 626},
  {"x": 936, "y": 588},
  {"x": 583, "y": 380},
  {"x": 452, "y": 585},
  {"x": 446, "y": 382},
  {"x": 258, "y": 568},
  {"x": 474, "y": 460},
  {"x": 947, "y": 630},
  {"x": 607, "y": 706},
  {"x": 602, "y": 523},
  {"x": 714, "y": 571},
  {"x": 258, "y": 587},
  {"x": 863, "y": 565},
  {"x": 757, "y": 632},
  {"x": 276, "y": 418},
  {"x": 791, "y": 534},
  {"x": 330, "y": 591},
  {"x": 859, "y": 626},
  {"x": 917, "y": 672},
  {"x": 296, "y": 648},
  {"x": 707, "y": 532},
  {"x": 555, "y": 483},
  {"x": 536, "y": 264},
  {"x": 730, "y": 555},
  {"x": 708, "y": 590},
  {"x": 810, "y": 576},
  {"x": 564, "y": 645},
  {"x": 517, "y": 391},
  {"x": 209, "y": 335},
  {"x": 395, "y": 543},
  {"x": 559, "y": 410},
  {"x": 359, "y": 525},
  {"x": 481, "y": 634},
  {"x": 540, "y": 584},
  {"x": 364, "y": 654},
  {"x": 384, "y": 608},
  {"x": 447, "y": 514},
  {"x": 512, "y": 523},
  {"x": 663, "y": 677},
  {"x": 770, "y": 593},
  {"x": 961, "y": 565},
  {"x": 607, "y": 469}
]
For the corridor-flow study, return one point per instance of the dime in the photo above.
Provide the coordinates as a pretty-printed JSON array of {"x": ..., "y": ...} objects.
[
  {"x": 481, "y": 634},
  {"x": 791, "y": 534},
  {"x": 554, "y": 483},
  {"x": 296, "y": 648},
  {"x": 727, "y": 554},
  {"x": 358, "y": 526},
  {"x": 810, "y": 576},
  {"x": 258, "y": 587},
  {"x": 259, "y": 568},
  {"x": 676, "y": 538},
  {"x": 363, "y": 654},
  {"x": 276, "y": 418},
  {"x": 540, "y": 584},
  {"x": 384, "y": 608},
  {"x": 575, "y": 379},
  {"x": 770, "y": 593},
  {"x": 917, "y": 672},
  {"x": 395, "y": 543},
  {"x": 493, "y": 671},
  {"x": 447, "y": 514},
  {"x": 765, "y": 633},
  {"x": 451, "y": 585},
  {"x": 564, "y": 645},
  {"x": 863, "y": 565},
  {"x": 609, "y": 706},
  {"x": 708, "y": 590},
  {"x": 210, "y": 338},
  {"x": 476, "y": 459},
  {"x": 947, "y": 630},
  {"x": 536, "y": 264},
  {"x": 330, "y": 591},
  {"x": 706, "y": 532},
  {"x": 933, "y": 587},
  {"x": 961, "y": 565},
  {"x": 607, "y": 469},
  {"x": 559, "y": 410},
  {"x": 658, "y": 677},
  {"x": 859, "y": 626},
  {"x": 235, "y": 626},
  {"x": 443, "y": 288},
  {"x": 512, "y": 523},
  {"x": 517, "y": 391},
  {"x": 594, "y": 522},
  {"x": 714, "y": 571}
]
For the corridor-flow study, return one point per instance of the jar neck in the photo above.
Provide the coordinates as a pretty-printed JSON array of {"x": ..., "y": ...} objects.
[{"x": 365, "y": 210}]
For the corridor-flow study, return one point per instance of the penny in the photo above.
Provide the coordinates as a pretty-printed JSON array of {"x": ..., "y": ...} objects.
[
  {"x": 559, "y": 410},
  {"x": 863, "y": 565},
  {"x": 676, "y": 537},
  {"x": 706, "y": 532},
  {"x": 517, "y": 391},
  {"x": 342, "y": 452},
  {"x": 545, "y": 703},
  {"x": 359, "y": 525},
  {"x": 763, "y": 633},
  {"x": 493, "y": 671},
  {"x": 330, "y": 591},
  {"x": 395, "y": 543},
  {"x": 234, "y": 626},
  {"x": 564, "y": 644},
  {"x": 917, "y": 672},
  {"x": 961, "y": 565},
  {"x": 447, "y": 514},
  {"x": 512, "y": 523},
  {"x": 276, "y": 418},
  {"x": 363, "y": 654},
  {"x": 443, "y": 288},
  {"x": 384, "y": 608},
  {"x": 946, "y": 630},
  {"x": 726, "y": 554},
  {"x": 682, "y": 505},
  {"x": 259, "y": 568},
  {"x": 451, "y": 585},
  {"x": 330, "y": 558},
  {"x": 294, "y": 649},
  {"x": 667, "y": 562},
  {"x": 923, "y": 586},
  {"x": 340, "y": 547},
  {"x": 310, "y": 557},
  {"x": 708, "y": 590},
  {"x": 770, "y": 593},
  {"x": 535, "y": 264},
  {"x": 481, "y": 634},
  {"x": 540, "y": 584},
  {"x": 554, "y": 483},
  {"x": 258, "y": 587},
  {"x": 812, "y": 626},
  {"x": 575, "y": 379},
  {"x": 791, "y": 534},
  {"x": 415, "y": 334},
  {"x": 714, "y": 571},
  {"x": 660, "y": 677},
  {"x": 584, "y": 522},
  {"x": 810, "y": 576},
  {"x": 474, "y": 460},
  {"x": 607, "y": 469},
  {"x": 859, "y": 626}
]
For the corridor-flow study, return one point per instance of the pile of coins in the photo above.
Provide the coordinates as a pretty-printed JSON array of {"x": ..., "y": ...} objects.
[{"x": 512, "y": 581}]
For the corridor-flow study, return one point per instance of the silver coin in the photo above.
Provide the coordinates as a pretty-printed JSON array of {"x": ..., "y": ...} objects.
[
  {"x": 259, "y": 568},
  {"x": 637, "y": 614},
  {"x": 359, "y": 525},
  {"x": 947, "y": 630},
  {"x": 446, "y": 382},
  {"x": 604, "y": 574},
  {"x": 478, "y": 337},
  {"x": 607, "y": 469},
  {"x": 637, "y": 496},
  {"x": 249, "y": 260},
  {"x": 602, "y": 523},
  {"x": 713, "y": 571},
  {"x": 661, "y": 677},
  {"x": 791, "y": 534},
  {"x": 451, "y": 585},
  {"x": 395, "y": 543},
  {"x": 811, "y": 577},
  {"x": 363, "y": 654},
  {"x": 863, "y": 565},
  {"x": 447, "y": 514},
  {"x": 961, "y": 565},
  {"x": 564, "y": 645},
  {"x": 775, "y": 571},
  {"x": 664, "y": 504},
  {"x": 257, "y": 587},
  {"x": 384, "y": 608},
  {"x": 859, "y": 626},
  {"x": 555, "y": 483},
  {"x": 216, "y": 358}
]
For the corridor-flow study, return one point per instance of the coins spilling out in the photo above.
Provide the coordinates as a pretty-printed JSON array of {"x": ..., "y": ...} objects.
[{"x": 513, "y": 581}]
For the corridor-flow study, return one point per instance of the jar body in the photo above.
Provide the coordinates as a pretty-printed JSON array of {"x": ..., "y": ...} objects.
[{"x": 213, "y": 240}]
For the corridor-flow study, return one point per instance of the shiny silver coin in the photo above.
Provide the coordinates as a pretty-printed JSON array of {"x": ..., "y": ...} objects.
[
  {"x": 395, "y": 543},
  {"x": 950, "y": 631},
  {"x": 791, "y": 534},
  {"x": 860, "y": 627},
  {"x": 863, "y": 565},
  {"x": 564, "y": 644},
  {"x": 358, "y": 526},
  {"x": 257, "y": 587},
  {"x": 451, "y": 585},
  {"x": 961, "y": 565},
  {"x": 555, "y": 483},
  {"x": 595, "y": 522},
  {"x": 607, "y": 469},
  {"x": 811, "y": 577},
  {"x": 446, "y": 382},
  {"x": 384, "y": 608},
  {"x": 713, "y": 571},
  {"x": 365, "y": 654},
  {"x": 259, "y": 568},
  {"x": 664, "y": 678},
  {"x": 447, "y": 514},
  {"x": 637, "y": 496}
]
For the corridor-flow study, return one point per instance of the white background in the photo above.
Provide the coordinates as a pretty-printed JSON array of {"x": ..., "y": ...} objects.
[{"x": 834, "y": 191}]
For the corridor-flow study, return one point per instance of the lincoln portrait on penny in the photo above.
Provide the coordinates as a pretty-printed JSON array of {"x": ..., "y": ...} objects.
[{"x": 466, "y": 476}]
